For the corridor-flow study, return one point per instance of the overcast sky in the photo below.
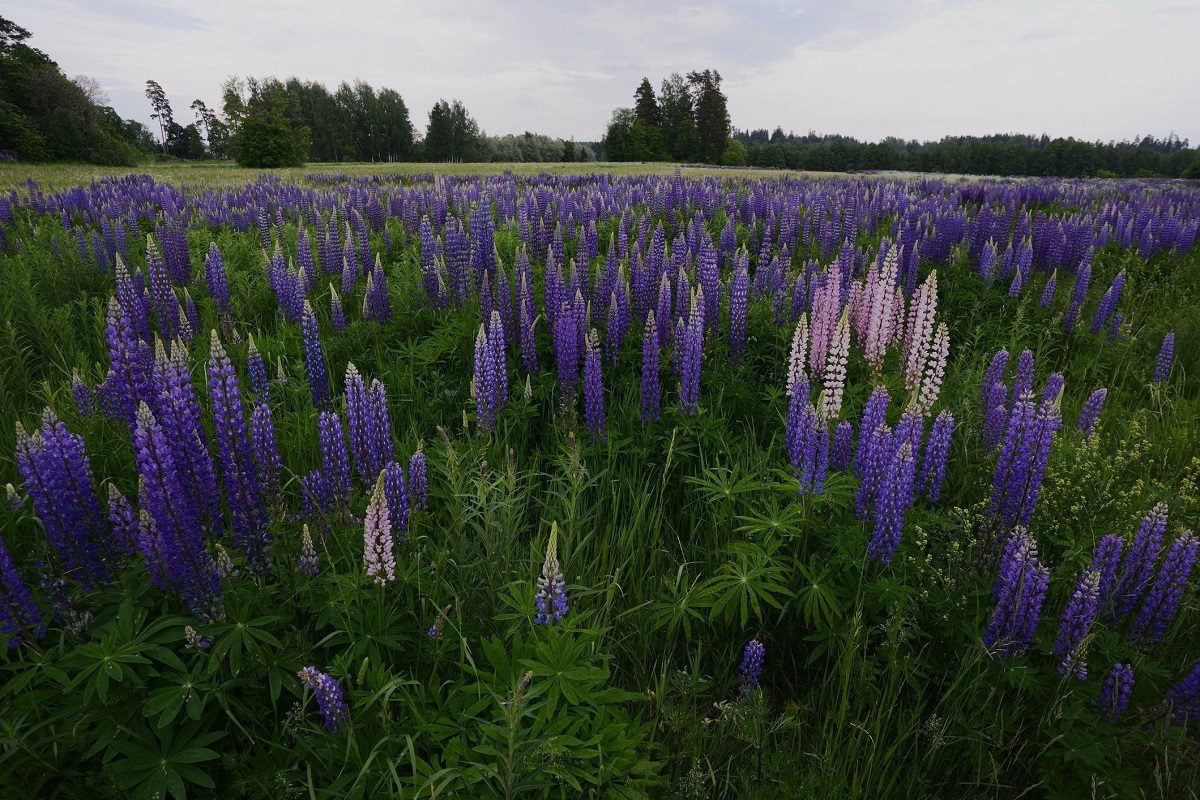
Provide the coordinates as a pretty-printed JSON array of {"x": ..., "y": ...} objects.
[{"x": 1093, "y": 69}]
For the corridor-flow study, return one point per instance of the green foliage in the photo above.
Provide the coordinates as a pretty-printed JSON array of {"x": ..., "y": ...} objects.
[{"x": 452, "y": 134}]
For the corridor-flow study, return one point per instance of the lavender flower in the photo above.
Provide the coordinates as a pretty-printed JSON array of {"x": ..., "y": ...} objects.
[
  {"x": 193, "y": 640},
  {"x": 551, "y": 598},
  {"x": 218, "y": 288},
  {"x": 751, "y": 668},
  {"x": 843, "y": 446},
  {"x": 1160, "y": 605},
  {"x": 418, "y": 482},
  {"x": 330, "y": 699},
  {"x": 20, "y": 619},
  {"x": 593, "y": 390},
  {"x": 894, "y": 498},
  {"x": 258, "y": 374},
  {"x": 739, "y": 295},
  {"x": 485, "y": 383},
  {"x": 314, "y": 359},
  {"x": 335, "y": 464},
  {"x": 933, "y": 463},
  {"x": 1138, "y": 565},
  {"x": 1091, "y": 412},
  {"x": 84, "y": 402},
  {"x": 395, "y": 491},
  {"x": 1166, "y": 355},
  {"x": 1108, "y": 303},
  {"x": 1114, "y": 694},
  {"x": 1048, "y": 293},
  {"x": 1017, "y": 480},
  {"x": 337, "y": 314},
  {"x": 435, "y": 631},
  {"x": 692, "y": 358},
  {"x": 1018, "y": 596},
  {"x": 1076, "y": 619},
  {"x": 379, "y": 561},
  {"x": 1184, "y": 698},
  {"x": 309, "y": 561},
  {"x": 1079, "y": 297},
  {"x": 650, "y": 387}
]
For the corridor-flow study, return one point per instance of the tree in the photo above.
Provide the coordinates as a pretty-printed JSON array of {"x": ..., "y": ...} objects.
[
  {"x": 452, "y": 135},
  {"x": 618, "y": 139},
  {"x": 162, "y": 109},
  {"x": 712, "y": 114},
  {"x": 675, "y": 109},
  {"x": 267, "y": 129},
  {"x": 645, "y": 105},
  {"x": 735, "y": 154}
]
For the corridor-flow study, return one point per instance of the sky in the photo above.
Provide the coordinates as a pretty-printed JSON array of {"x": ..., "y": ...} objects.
[{"x": 916, "y": 69}]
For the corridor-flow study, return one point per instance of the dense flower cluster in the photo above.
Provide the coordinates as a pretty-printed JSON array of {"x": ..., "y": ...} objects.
[
  {"x": 551, "y": 597},
  {"x": 330, "y": 700}
]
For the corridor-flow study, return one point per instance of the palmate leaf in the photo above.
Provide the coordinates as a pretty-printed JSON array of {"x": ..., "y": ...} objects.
[
  {"x": 158, "y": 766},
  {"x": 745, "y": 584}
]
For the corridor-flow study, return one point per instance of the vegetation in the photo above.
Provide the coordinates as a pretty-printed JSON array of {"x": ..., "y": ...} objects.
[{"x": 568, "y": 549}]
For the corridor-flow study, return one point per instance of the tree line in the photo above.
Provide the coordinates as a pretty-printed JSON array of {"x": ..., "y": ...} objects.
[
  {"x": 46, "y": 116},
  {"x": 997, "y": 154},
  {"x": 688, "y": 122}
]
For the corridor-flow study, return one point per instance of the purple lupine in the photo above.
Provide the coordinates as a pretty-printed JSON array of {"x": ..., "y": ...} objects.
[
  {"x": 893, "y": 499},
  {"x": 750, "y": 670},
  {"x": 267, "y": 463},
  {"x": 173, "y": 546},
  {"x": 1017, "y": 481},
  {"x": 123, "y": 519},
  {"x": 739, "y": 294},
  {"x": 933, "y": 462},
  {"x": 418, "y": 480},
  {"x": 593, "y": 390},
  {"x": 1023, "y": 381},
  {"x": 1108, "y": 303},
  {"x": 58, "y": 477},
  {"x": 874, "y": 415},
  {"x": 330, "y": 700},
  {"x": 337, "y": 314},
  {"x": 243, "y": 492},
  {"x": 993, "y": 375},
  {"x": 258, "y": 374},
  {"x": 358, "y": 419},
  {"x": 1184, "y": 698},
  {"x": 1137, "y": 568},
  {"x": 1160, "y": 605},
  {"x": 843, "y": 447},
  {"x": 379, "y": 560},
  {"x": 1114, "y": 327},
  {"x": 314, "y": 359},
  {"x": 130, "y": 380},
  {"x": 395, "y": 491},
  {"x": 1018, "y": 595},
  {"x": 995, "y": 416},
  {"x": 1166, "y": 356},
  {"x": 218, "y": 289},
  {"x": 692, "y": 359},
  {"x": 663, "y": 312},
  {"x": 166, "y": 305},
  {"x": 85, "y": 404},
  {"x": 650, "y": 387},
  {"x": 497, "y": 341},
  {"x": 190, "y": 323},
  {"x": 20, "y": 619},
  {"x": 1106, "y": 561},
  {"x": 566, "y": 351},
  {"x": 379, "y": 431},
  {"x": 526, "y": 315},
  {"x": 335, "y": 464},
  {"x": 1082, "y": 278},
  {"x": 1048, "y": 292},
  {"x": 551, "y": 597},
  {"x": 1091, "y": 412},
  {"x": 1114, "y": 693},
  {"x": 309, "y": 561},
  {"x": 485, "y": 383},
  {"x": 180, "y": 417},
  {"x": 1073, "y": 625}
]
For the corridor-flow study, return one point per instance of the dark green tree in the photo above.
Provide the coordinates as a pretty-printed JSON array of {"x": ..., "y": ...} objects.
[
  {"x": 675, "y": 109},
  {"x": 712, "y": 114},
  {"x": 266, "y": 126},
  {"x": 452, "y": 135},
  {"x": 162, "y": 109},
  {"x": 645, "y": 105}
]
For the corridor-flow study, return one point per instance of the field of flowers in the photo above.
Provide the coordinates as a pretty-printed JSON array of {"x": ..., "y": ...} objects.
[{"x": 607, "y": 485}]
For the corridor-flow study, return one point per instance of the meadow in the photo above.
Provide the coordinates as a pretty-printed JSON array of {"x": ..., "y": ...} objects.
[{"x": 630, "y": 482}]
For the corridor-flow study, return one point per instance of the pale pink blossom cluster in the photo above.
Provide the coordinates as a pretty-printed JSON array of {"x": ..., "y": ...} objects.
[
  {"x": 795, "y": 372},
  {"x": 918, "y": 337},
  {"x": 835, "y": 368},
  {"x": 378, "y": 559},
  {"x": 826, "y": 308}
]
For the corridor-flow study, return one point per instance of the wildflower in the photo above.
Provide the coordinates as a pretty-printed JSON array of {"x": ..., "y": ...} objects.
[
  {"x": 650, "y": 387},
  {"x": 1091, "y": 412},
  {"x": 1076, "y": 619},
  {"x": 1018, "y": 594},
  {"x": 1160, "y": 605},
  {"x": 20, "y": 619},
  {"x": 1114, "y": 694},
  {"x": 330, "y": 699},
  {"x": 593, "y": 389},
  {"x": 435, "y": 632},
  {"x": 1166, "y": 355},
  {"x": 309, "y": 559},
  {"x": 378, "y": 559},
  {"x": 193, "y": 640},
  {"x": 551, "y": 596},
  {"x": 752, "y": 663}
]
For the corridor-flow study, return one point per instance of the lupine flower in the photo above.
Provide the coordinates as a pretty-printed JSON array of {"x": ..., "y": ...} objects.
[
  {"x": 1076, "y": 619},
  {"x": 178, "y": 412},
  {"x": 395, "y": 490},
  {"x": 1091, "y": 411},
  {"x": 1018, "y": 595},
  {"x": 20, "y": 618},
  {"x": 1166, "y": 355},
  {"x": 1160, "y": 605},
  {"x": 337, "y": 314},
  {"x": 835, "y": 367},
  {"x": 84, "y": 402},
  {"x": 893, "y": 499},
  {"x": 737, "y": 305},
  {"x": 358, "y": 420},
  {"x": 692, "y": 358},
  {"x": 993, "y": 375},
  {"x": 1108, "y": 303},
  {"x": 593, "y": 390},
  {"x": 935, "y": 369},
  {"x": 267, "y": 464},
  {"x": 330, "y": 699},
  {"x": 379, "y": 561},
  {"x": 314, "y": 359},
  {"x": 750, "y": 670},
  {"x": 795, "y": 370},
  {"x": 933, "y": 464},
  {"x": 239, "y": 472},
  {"x": 1137, "y": 568},
  {"x": 1184, "y": 698},
  {"x": 166, "y": 305},
  {"x": 1024, "y": 379},
  {"x": 1114, "y": 694},
  {"x": 418, "y": 483},
  {"x": 1017, "y": 481},
  {"x": 193, "y": 640},
  {"x": 335, "y": 464},
  {"x": 1082, "y": 278},
  {"x": 131, "y": 369},
  {"x": 435, "y": 631},
  {"x": 920, "y": 332},
  {"x": 843, "y": 446},
  {"x": 123, "y": 519},
  {"x": 309, "y": 561},
  {"x": 650, "y": 387},
  {"x": 218, "y": 289},
  {"x": 995, "y": 416},
  {"x": 1114, "y": 327},
  {"x": 551, "y": 598},
  {"x": 1048, "y": 293},
  {"x": 258, "y": 374},
  {"x": 225, "y": 568}
]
